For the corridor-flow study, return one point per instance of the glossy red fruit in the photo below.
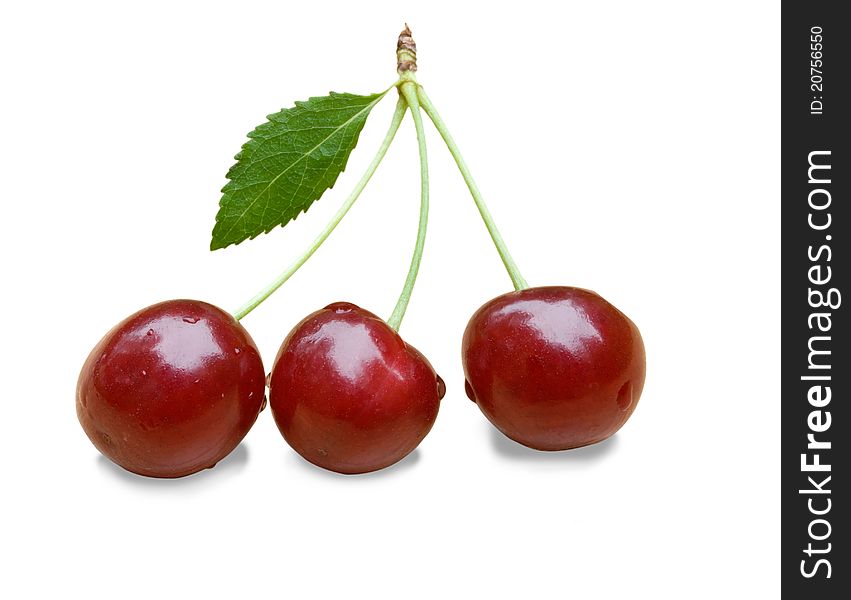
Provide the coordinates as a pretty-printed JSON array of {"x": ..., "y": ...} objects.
[
  {"x": 553, "y": 367},
  {"x": 172, "y": 389},
  {"x": 349, "y": 394}
]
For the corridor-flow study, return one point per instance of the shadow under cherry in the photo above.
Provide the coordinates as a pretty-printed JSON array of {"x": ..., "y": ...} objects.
[
  {"x": 403, "y": 465},
  {"x": 232, "y": 464},
  {"x": 510, "y": 449}
]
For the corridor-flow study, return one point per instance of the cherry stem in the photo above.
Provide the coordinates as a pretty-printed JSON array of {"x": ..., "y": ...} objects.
[
  {"x": 401, "y": 107},
  {"x": 510, "y": 266},
  {"x": 408, "y": 89}
]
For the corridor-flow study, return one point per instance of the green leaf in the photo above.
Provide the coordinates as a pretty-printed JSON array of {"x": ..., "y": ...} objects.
[{"x": 288, "y": 163}]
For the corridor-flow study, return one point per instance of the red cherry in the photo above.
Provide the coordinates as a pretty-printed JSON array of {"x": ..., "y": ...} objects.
[
  {"x": 553, "y": 367},
  {"x": 349, "y": 394},
  {"x": 172, "y": 389}
]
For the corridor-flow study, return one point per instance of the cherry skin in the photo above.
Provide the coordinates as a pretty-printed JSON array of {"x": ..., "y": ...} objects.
[
  {"x": 172, "y": 389},
  {"x": 553, "y": 368},
  {"x": 348, "y": 394}
]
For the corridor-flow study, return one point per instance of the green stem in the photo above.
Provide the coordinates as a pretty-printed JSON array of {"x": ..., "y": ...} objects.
[
  {"x": 409, "y": 92},
  {"x": 510, "y": 266},
  {"x": 401, "y": 107}
]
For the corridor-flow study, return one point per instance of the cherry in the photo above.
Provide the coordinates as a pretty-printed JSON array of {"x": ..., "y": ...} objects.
[
  {"x": 172, "y": 389},
  {"x": 553, "y": 367},
  {"x": 348, "y": 394}
]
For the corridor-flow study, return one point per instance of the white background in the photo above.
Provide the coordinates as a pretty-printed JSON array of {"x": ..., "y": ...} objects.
[{"x": 631, "y": 148}]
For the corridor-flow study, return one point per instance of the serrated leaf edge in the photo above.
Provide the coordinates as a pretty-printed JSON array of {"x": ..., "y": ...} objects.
[{"x": 297, "y": 103}]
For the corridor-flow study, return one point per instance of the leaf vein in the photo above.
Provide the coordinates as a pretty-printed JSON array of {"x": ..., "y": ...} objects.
[{"x": 342, "y": 127}]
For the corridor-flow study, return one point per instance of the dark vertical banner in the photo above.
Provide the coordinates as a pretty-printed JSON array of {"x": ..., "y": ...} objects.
[{"x": 816, "y": 268}]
